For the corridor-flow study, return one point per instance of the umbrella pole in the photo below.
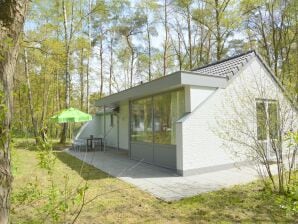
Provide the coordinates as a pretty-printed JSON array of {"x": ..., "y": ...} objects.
[{"x": 70, "y": 129}]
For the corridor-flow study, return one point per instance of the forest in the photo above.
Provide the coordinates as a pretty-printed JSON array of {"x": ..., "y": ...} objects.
[
  {"x": 74, "y": 52},
  {"x": 58, "y": 54}
]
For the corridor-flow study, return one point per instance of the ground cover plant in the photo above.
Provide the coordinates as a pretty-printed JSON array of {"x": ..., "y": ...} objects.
[{"x": 36, "y": 198}]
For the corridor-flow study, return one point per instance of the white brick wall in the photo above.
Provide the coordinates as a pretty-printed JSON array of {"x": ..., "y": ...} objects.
[
  {"x": 195, "y": 95},
  {"x": 124, "y": 125},
  {"x": 96, "y": 127},
  {"x": 200, "y": 145},
  {"x": 91, "y": 128},
  {"x": 112, "y": 133}
]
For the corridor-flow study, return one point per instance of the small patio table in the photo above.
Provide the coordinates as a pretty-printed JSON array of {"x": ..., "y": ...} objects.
[{"x": 90, "y": 142}]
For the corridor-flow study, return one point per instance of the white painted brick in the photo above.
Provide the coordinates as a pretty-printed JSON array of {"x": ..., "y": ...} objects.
[{"x": 200, "y": 145}]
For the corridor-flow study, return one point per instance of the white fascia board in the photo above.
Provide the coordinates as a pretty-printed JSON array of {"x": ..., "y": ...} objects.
[
  {"x": 195, "y": 79},
  {"x": 163, "y": 84}
]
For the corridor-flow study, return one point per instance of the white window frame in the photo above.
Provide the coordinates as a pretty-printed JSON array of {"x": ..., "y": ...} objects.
[{"x": 269, "y": 152}]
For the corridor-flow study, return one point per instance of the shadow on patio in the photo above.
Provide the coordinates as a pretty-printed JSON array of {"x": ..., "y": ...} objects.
[
  {"x": 86, "y": 171},
  {"x": 118, "y": 164}
]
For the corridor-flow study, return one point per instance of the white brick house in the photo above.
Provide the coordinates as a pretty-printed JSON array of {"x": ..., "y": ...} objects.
[{"x": 177, "y": 121}]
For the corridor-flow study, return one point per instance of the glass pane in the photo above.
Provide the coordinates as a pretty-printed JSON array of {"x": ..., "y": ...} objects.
[
  {"x": 141, "y": 120},
  {"x": 168, "y": 108},
  {"x": 273, "y": 120},
  {"x": 261, "y": 121},
  {"x": 162, "y": 121},
  {"x": 177, "y": 111}
]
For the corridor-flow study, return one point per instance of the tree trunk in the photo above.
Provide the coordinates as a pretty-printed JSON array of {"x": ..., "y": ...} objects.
[
  {"x": 21, "y": 125},
  {"x": 88, "y": 59},
  {"x": 165, "y": 53},
  {"x": 218, "y": 36},
  {"x": 30, "y": 99},
  {"x": 111, "y": 65},
  {"x": 101, "y": 68},
  {"x": 179, "y": 52},
  {"x": 12, "y": 16},
  {"x": 189, "y": 36},
  {"x": 82, "y": 86},
  {"x": 149, "y": 50},
  {"x": 46, "y": 87},
  {"x": 67, "y": 67},
  {"x": 131, "y": 59}
]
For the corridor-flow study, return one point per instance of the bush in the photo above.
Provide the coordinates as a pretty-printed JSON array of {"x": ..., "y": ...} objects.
[{"x": 289, "y": 201}]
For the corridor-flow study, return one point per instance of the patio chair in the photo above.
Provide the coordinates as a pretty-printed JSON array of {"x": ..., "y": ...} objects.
[{"x": 78, "y": 144}]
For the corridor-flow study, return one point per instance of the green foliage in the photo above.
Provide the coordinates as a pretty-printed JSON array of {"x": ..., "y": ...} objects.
[
  {"x": 289, "y": 201},
  {"x": 80, "y": 193},
  {"x": 292, "y": 139},
  {"x": 55, "y": 201},
  {"x": 46, "y": 156},
  {"x": 3, "y": 108},
  {"x": 27, "y": 194},
  {"x": 4, "y": 46},
  {"x": 3, "y": 113}
]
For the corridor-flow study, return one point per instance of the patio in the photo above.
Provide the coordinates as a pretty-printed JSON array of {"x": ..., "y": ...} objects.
[{"x": 160, "y": 182}]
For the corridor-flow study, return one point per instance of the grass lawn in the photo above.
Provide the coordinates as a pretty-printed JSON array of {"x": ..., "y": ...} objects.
[{"x": 119, "y": 202}]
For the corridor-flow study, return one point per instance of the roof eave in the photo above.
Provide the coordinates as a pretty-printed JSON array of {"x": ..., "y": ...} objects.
[{"x": 166, "y": 83}]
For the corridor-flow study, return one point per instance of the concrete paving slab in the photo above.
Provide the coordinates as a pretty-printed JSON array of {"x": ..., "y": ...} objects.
[{"x": 160, "y": 182}]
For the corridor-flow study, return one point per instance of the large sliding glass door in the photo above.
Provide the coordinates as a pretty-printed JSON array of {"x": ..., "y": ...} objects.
[
  {"x": 153, "y": 127},
  {"x": 141, "y": 120}
]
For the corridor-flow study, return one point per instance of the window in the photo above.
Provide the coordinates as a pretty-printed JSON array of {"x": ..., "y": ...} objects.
[
  {"x": 154, "y": 118},
  {"x": 273, "y": 120},
  {"x": 168, "y": 108},
  {"x": 267, "y": 119},
  {"x": 261, "y": 121},
  {"x": 141, "y": 120}
]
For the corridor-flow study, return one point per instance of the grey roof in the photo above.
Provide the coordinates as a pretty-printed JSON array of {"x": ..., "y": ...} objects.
[{"x": 226, "y": 67}]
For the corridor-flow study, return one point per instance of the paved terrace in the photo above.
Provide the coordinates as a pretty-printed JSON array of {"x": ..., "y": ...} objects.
[{"x": 160, "y": 182}]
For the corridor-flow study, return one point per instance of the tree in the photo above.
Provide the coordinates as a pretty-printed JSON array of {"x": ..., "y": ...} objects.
[
  {"x": 166, "y": 40},
  {"x": 271, "y": 27},
  {"x": 257, "y": 127},
  {"x": 68, "y": 34},
  {"x": 184, "y": 6},
  {"x": 89, "y": 43},
  {"x": 129, "y": 28},
  {"x": 220, "y": 17},
  {"x": 30, "y": 98},
  {"x": 12, "y": 17},
  {"x": 83, "y": 50},
  {"x": 100, "y": 25},
  {"x": 149, "y": 8}
]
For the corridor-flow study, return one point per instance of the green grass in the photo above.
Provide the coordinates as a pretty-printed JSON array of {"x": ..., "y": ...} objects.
[{"x": 119, "y": 202}]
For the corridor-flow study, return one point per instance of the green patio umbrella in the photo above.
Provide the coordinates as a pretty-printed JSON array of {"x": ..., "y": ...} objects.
[{"x": 71, "y": 115}]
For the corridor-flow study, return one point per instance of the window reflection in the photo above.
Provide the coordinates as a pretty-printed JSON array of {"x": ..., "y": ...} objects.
[
  {"x": 163, "y": 110},
  {"x": 141, "y": 120}
]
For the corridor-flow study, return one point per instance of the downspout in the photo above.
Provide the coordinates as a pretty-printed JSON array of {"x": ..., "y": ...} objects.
[
  {"x": 118, "y": 131},
  {"x": 104, "y": 128},
  {"x": 129, "y": 129}
]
